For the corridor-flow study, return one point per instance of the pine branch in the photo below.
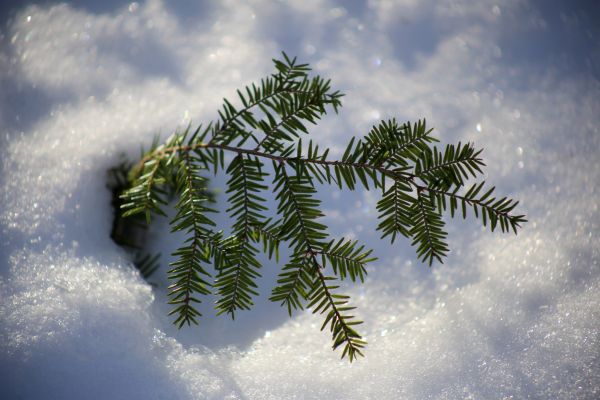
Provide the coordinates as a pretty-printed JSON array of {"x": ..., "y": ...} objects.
[
  {"x": 187, "y": 271},
  {"x": 145, "y": 194},
  {"x": 421, "y": 181},
  {"x": 346, "y": 259},
  {"x": 390, "y": 144},
  {"x": 457, "y": 164},
  {"x": 398, "y": 221},
  {"x": 236, "y": 281},
  {"x": 292, "y": 110},
  {"x": 270, "y": 236},
  {"x": 302, "y": 277},
  {"x": 427, "y": 230},
  {"x": 294, "y": 283},
  {"x": 497, "y": 211},
  {"x": 230, "y": 116},
  {"x": 285, "y": 94},
  {"x": 340, "y": 324},
  {"x": 394, "y": 210},
  {"x": 305, "y": 236}
]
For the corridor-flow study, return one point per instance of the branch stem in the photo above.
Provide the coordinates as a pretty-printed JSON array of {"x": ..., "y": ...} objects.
[{"x": 405, "y": 176}]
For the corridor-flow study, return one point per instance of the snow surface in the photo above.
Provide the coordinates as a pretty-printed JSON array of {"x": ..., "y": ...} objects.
[{"x": 505, "y": 317}]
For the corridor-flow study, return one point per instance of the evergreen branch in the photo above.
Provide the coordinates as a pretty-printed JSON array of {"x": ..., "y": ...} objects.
[
  {"x": 269, "y": 88},
  {"x": 427, "y": 230},
  {"x": 346, "y": 259},
  {"x": 497, "y": 211},
  {"x": 414, "y": 139},
  {"x": 222, "y": 250},
  {"x": 340, "y": 324},
  {"x": 187, "y": 271},
  {"x": 392, "y": 144},
  {"x": 145, "y": 194},
  {"x": 294, "y": 283},
  {"x": 236, "y": 281},
  {"x": 394, "y": 210},
  {"x": 424, "y": 182},
  {"x": 456, "y": 164},
  {"x": 290, "y": 86},
  {"x": 342, "y": 170},
  {"x": 309, "y": 105},
  {"x": 270, "y": 237},
  {"x": 304, "y": 234},
  {"x": 345, "y": 170},
  {"x": 289, "y": 120}
]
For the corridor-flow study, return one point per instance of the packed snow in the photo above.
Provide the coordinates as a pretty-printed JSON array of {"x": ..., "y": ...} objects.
[{"x": 505, "y": 317}]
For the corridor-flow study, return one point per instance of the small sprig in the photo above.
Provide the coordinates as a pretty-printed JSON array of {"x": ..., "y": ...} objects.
[{"x": 417, "y": 182}]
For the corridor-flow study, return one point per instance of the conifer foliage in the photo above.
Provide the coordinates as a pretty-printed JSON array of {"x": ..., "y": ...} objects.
[{"x": 266, "y": 136}]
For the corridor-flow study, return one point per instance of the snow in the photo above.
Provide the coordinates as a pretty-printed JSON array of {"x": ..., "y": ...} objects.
[{"x": 505, "y": 317}]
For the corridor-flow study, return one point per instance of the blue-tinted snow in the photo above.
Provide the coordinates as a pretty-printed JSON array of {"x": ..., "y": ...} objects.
[{"x": 504, "y": 317}]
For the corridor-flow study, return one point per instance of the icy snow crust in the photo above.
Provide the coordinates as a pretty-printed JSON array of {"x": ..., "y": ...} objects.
[{"x": 504, "y": 317}]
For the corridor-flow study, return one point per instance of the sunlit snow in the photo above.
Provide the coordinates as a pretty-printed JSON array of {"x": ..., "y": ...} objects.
[{"x": 505, "y": 317}]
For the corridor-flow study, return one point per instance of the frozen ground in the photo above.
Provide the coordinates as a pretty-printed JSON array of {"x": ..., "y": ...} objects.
[{"x": 505, "y": 317}]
